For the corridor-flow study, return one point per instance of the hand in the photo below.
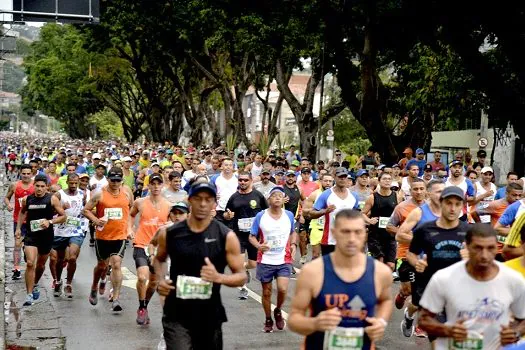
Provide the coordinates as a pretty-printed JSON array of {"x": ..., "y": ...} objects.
[
  {"x": 301, "y": 219},
  {"x": 328, "y": 320},
  {"x": 373, "y": 221},
  {"x": 459, "y": 331},
  {"x": 464, "y": 252},
  {"x": 100, "y": 222},
  {"x": 264, "y": 247},
  {"x": 508, "y": 335},
  {"x": 45, "y": 224},
  {"x": 293, "y": 250},
  {"x": 9, "y": 207},
  {"x": 131, "y": 236},
  {"x": 421, "y": 264},
  {"x": 209, "y": 273},
  {"x": 376, "y": 330},
  {"x": 228, "y": 214},
  {"x": 213, "y": 213},
  {"x": 330, "y": 208},
  {"x": 18, "y": 233},
  {"x": 286, "y": 199},
  {"x": 489, "y": 193},
  {"x": 165, "y": 287}
]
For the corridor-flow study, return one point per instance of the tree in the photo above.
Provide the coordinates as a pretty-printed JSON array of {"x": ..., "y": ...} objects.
[{"x": 107, "y": 124}]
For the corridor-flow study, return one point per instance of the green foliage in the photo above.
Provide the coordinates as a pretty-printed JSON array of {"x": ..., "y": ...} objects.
[
  {"x": 107, "y": 124},
  {"x": 349, "y": 135},
  {"x": 264, "y": 144},
  {"x": 231, "y": 142}
]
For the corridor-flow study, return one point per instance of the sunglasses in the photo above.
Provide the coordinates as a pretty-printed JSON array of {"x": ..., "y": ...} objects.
[{"x": 115, "y": 180}]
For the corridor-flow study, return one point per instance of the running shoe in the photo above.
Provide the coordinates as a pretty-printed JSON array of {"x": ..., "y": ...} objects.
[
  {"x": 91, "y": 242},
  {"x": 110, "y": 298},
  {"x": 93, "y": 297},
  {"x": 16, "y": 275},
  {"x": 268, "y": 326},
  {"x": 395, "y": 276},
  {"x": 115, "y": 306},
  {"x": 36, "y": 292},
  {"x": 248, "y": 276},
  {"x": 68, "y": 291},
  {"x": 29, "y": 300},
  {"x": 102, "y": 287},
  {"x": 142, "y": 316},
  {"x": 57, "y": 291},
  {"x": 418, "y": 332},
  {"x": 243, "y": 293},
  {"x": 400, "y": 301},
  {"x": 279, "y": 320},
  {"x": 407, "y": 325}
]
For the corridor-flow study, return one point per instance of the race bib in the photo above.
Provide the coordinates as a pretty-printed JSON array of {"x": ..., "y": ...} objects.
[
  {"x": 245, "y": 224},
  {"x": 276, "y": 243},
  {"x": 501, "y": 239},
  {"x": 36, "y": 225},
  {"x": 361, "y": 205},
  {"x": 370, "y": 167},
  {"x": 189, "y": 287},
  {"x": 474, "y": 341},
  {"x": 321, "y": 221},
  {"x": 383, "y": 221},
  {"x": 72, "y": 221},
  {"x": 344, "y": 339},
  {"x": 485, "y": 219},
  {"x": 113, "y": 213}
]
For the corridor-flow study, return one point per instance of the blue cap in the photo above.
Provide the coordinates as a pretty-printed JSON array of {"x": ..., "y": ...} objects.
[
  {"x": 381, "y": 167},
  {"x": 277, "y": 189},
  {"x": 203, "y": 186},
  {"x": 180, "y": 206},
  {"x": 420, "y": 151},
  {"x": 362, "y": 172}
]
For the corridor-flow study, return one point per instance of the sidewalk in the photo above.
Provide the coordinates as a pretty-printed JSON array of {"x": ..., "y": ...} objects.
[{"x": 34, "y": 327}]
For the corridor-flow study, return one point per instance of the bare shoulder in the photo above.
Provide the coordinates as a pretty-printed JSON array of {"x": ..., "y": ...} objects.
[
  {"x": 312, "y": 271},
  {"x": 383, "y": 273}
]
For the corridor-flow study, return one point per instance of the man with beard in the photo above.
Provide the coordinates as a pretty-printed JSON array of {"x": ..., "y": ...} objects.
[
  {"x": 458, "y": 179},
  {"x": 265, "y": 185}
]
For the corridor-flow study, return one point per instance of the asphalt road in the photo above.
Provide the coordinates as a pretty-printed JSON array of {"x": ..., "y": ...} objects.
[{"x": 96, "y": 327}]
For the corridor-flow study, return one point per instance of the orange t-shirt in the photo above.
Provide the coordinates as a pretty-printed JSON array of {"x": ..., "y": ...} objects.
[
  {"x": 399, "y": 216},
  {"x": 495, "y": 209},
  {"x": 116, "y": 209},
  {"x": 151, "y": 219}
]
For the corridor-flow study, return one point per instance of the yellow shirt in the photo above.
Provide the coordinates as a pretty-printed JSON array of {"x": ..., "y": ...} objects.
[
  {"x": 178, "y": 158},
  {"x": 517, "y": 265},
  {"x": 144, "y": 163},
  {"x": 352, "y": 159},
  {"x": 514, "y": 237}
]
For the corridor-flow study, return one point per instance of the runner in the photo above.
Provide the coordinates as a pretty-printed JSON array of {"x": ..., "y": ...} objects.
[
  {"x": 518, "y": 264},
  {"x": 457, "y": 179},
  {"x": 510, "y": 225},
  {"x": 38, "y": 208},
  {"x": 174, "y": 193},
  {"x": 113, "y": 203},
  {"x": 317, "y": 225},
  {"x": 154, "y": 211},
  {"x": 485, "y": 192},
  {"x": 348, "y": 293},
  {"x": 306, "y": 186},
  {"x": 406, "y": 182},
  {"x": 226, "y": 184},
  {"x": 361, "y": 188},
  {"x": 20, "y": 190},
  {"x": 329, "y": 203},
  {"x": 98, "y": 181},
  {"x": 273, "y": 234},
  {"x": 241, "y": 210},
  {"x": 481, "y": 318},
  {"x": 68, "y": 235},
  {"x": 265, "y": 185},
  {"x": 199, "y": 249}
]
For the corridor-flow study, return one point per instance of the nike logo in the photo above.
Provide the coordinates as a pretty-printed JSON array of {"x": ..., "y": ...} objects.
[{"x": 209, "y": 240}]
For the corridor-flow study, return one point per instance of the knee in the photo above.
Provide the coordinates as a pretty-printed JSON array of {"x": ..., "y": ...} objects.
[
  {"x": 30, "y": 264},
  {"x": 282, "y": 289},
  {"x": 142, "y": 279},
  {"x": 102, "y": 265},
  {"x": 72, "y": 259},
  {"x": 267, "y": 292}
]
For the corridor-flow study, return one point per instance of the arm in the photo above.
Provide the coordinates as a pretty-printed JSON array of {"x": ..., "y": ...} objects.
[
  {"x": 475, "y": 216},
  {"x": 481, "y": 197},
  {"x": 412, "y": 258},
  {"x": 369, "y": 203},
  {"x": 21, "y": 218},
  {"x": 404, "y": 233},
  {"x": 7, "y": 198},
  {"x": 55, "y": 202},
  {"x": 428, "y": 321},
  {"x": 502, "y": 230},
  {"x": 315, "y": 214},
  {"x": 235, "y": 262},
  {"x": 385, "y": 304},
  {"x": 510, "y": 252},
  {"x": 308, "y": 205},
  {"x": 88, "y": 209}
]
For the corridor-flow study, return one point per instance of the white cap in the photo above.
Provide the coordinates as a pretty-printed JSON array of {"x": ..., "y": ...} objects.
[
  {"x": 96, "y": 156},
  {"x": 114, "y": 158},
  {"x": 126, "y": 159},
  {"x": 487, "y": 169}
]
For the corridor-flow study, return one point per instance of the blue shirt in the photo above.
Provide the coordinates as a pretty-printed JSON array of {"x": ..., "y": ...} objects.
[
  {"x": 420, "y": 164},
  {"x": 501, "y": 193}
]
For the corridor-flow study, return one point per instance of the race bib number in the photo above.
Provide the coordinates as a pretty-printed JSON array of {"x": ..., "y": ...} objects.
[
  {"x": 383, "y": 221},
  {"x": 501, "y": 239},
  {"x": 72, "y": 221},
  {"x": 474, "y": 341},
  {"x": 276, "y": 243},
  {"x": 245, "y": 224},
  {"x": 189, "y": 287},
  {"x": 113, "y": 213},
  {"x": 36, "y": 225},
  {"x": 485, "y": 219},
  {"x": 321, "y": 221},
  {"x": 361, "y": 205},
  {"x": 344, "y": 339}
]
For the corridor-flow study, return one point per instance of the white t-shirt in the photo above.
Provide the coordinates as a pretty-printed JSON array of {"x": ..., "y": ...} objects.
[
  {"x": 98, "y": 183},
  {"x": 484, "y": 305},
  {"x": 485, "y": 202},
  {"x": 225, "y": 189}
]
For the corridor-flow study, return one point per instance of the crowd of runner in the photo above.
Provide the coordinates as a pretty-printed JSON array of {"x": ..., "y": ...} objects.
[{"x": 453, "y": 240}]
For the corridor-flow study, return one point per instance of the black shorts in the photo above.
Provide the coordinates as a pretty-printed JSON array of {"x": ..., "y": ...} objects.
[
  {"x": 407, "y": 272},
  {"x": 179, "y": 337},
  {"x": 382, "y": 246},
  {"x": 106, "y": 249},
  {"x": 327, "y": 249},
  {"x": 141, "y": 259},
  {"x": 246, "y": 246},
  {"x": 43, "y": 244},
  {"x": 418, "y": 287},
  {"x": 305, "y": 227}
]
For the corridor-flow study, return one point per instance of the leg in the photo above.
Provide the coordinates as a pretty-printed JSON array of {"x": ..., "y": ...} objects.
[
  {"x": 316, "y": 251},
  {"x": 31, "y": 253},
  {"x": 17, "y": 251},
  {"x": 143, "y": 276},
  {"x": 40, "y": 266},
  {"x": 59, "y": 266},
  {"x": 303, "y": 241},
  {"x": 53, "y": 264},
  {"x": 98, "y": 271},
  {"x": 282, "y": 290},
  {"x": 74, "y": 251},
  {"x": 267, "y": 299},
  {"x": 152, "y": 286},
  {"x": 116, "y": 275}
]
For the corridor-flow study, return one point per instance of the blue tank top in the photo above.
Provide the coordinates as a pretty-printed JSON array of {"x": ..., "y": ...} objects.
[
  {"x": 356, "y": 300},
  {"x": 426, "y": 215}
]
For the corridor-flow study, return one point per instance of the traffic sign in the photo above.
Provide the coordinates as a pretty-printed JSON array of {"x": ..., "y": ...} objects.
[
  {"x": 330, "y": 133},
  {"x": 329, "y": 138},
  {"x": 483, "y": 142}
]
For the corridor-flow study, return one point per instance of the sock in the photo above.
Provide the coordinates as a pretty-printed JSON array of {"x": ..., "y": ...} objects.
[
  {"x": 146, "y": 302},
  {"x": 142, "y": 304},
  {"x": 407, "y": 316}
]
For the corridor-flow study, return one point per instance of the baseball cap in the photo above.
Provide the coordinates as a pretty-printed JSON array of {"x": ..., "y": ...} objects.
[
  {"x": 452, "y": 191},
  {"x": 276, "y": 189},
  {"x": 80, "y": 176},
  {"x": 306, "y": 170},
  {"x": 296, "y": 162},
  {"x": 361, "y": 173},
  {"x": 486, "y": 170},
  {"x": 180, "y": 206},
  {"x": 96, "y": 156},
  {"x": 114, "y": 158},
  {"x": 420, "y": 151},
  {"x": 100, "y": 165},
  {"x": 341, "y": 171},
  {"x": 126, "y": 159},
  {"x": 428, "y": 167},
  {"x": 482, "y": 153},
  {"x": 155, "y": 164},
  {"x": 279, "y": 172},
  {"x": 396, "y": 166},
  {"x": 290, "y": 172},
  {"x": 115, "y": 173},
  {"x": 169, "y": 151},
  {"x": 455, "y": 162},
  {"x": 154, "y": 177},
  {"x": 381, "y": 167},
  {"x": 408, "y": 150},
  {"x": 200, "y": 187},
  {"x": 265, "y": 171}
]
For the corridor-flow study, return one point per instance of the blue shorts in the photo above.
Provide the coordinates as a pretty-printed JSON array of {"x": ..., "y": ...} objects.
[
  {"x": 23, "y": 230},
  {"x": 61, "y": 243},
  {"x": 266, "y": 273}
]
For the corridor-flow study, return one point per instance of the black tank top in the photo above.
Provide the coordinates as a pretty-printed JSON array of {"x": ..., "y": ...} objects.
[
  {"x": 187, "y": 251},
  {"x": 383, "y": 207},
  {"x": 39, "y": 208},
  {"x": 295, "y": 195},
  {"x": 368, "y": 161}
]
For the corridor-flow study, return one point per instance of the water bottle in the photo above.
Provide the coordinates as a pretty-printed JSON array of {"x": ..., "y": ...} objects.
[{"x": 104, "y": 218}]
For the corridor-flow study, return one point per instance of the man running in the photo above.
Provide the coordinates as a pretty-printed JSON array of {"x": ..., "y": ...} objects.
[
  {"x": 154, "y": 211},
  {"x": 174, "y": 193},
  {"x": 458, "y": 179},
  {"x": 226, "y": 184},
  {"x": 70, "y": 234},
  {"x": 361, "y": 188},
  {"x": 20, "y": 190},
  {"x": 113, "y": 204},
  {"x": 37, "y": 210},
  {"x": 241, "y": 210},
  {"x": 329, "y": 203},
  {"x": 306, "y": 186},
  {"x": 480, "y": 318},
  {"x": 265, "y": 185},
  {"x": 348, "y": 293},
  {"x": 274, "y": 237},
  {"x": 406, "y": 182},
  {"x": 199, "y": 248}
]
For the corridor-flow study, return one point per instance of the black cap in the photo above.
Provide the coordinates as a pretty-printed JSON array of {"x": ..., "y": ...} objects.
[
  {"x": 115, "y": 173},
  {"x": 453, "y": 191},
  {"x": 180, "y": 206},
  {"x": 155, "y": 177},
  {"x": 341, "y": 171},
  {"x": 428, "y": 167},
  {"x": 203, "y": 186},
  {"x": 482, "y": 153},
  {"x": 306, "y": 170}
]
